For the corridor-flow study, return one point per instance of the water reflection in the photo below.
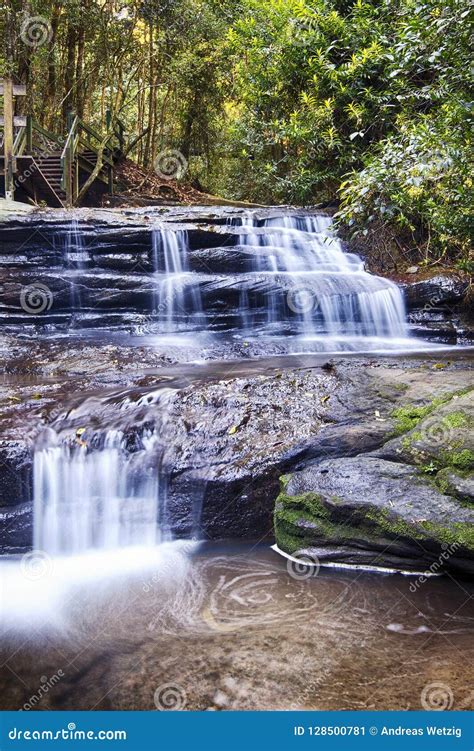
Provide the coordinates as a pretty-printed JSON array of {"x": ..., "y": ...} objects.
[{"x": 228, "y": 628}]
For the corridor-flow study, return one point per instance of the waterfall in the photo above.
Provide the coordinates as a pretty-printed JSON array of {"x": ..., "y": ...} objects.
[
  {"x": 75, "y": 254},
  {"x": 178, "y": 298},
  {"x": 327, "y": 290},
  {"x": 75, "y": 258},
  {"x": 284, "y": 275},
  {"x": 89, "y": 497}
]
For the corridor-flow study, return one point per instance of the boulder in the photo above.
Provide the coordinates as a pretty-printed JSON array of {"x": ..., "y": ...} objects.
[
  {"x": 369, "y": 511},
  {"x": 435, "y": 292}
]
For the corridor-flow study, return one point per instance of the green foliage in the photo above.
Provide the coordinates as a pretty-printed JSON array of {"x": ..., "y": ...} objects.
[
  {"x": 418, "y": 180},
  {"x": 369, "y": 98},
  {"x": 277, "y": 100}
]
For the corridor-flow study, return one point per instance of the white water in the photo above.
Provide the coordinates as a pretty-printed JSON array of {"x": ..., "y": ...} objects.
[
  {"x": 75, "y": 258},
  {"x": 328, "y": 290},
  {"x": 170, "y": 263},
  {"x": 291, "y": 278},
  {"x": 89, "y": 497},
  {"x": 46, "y": 590}
]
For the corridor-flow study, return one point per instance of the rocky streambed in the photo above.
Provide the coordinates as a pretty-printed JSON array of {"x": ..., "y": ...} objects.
[
  {"x": 167, "y": 331},
  {"x": 353, "y": 460}
]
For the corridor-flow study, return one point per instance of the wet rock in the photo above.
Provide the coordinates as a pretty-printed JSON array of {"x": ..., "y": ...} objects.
[
  {"x": 369, "y": 511},
  {"x": 229, "y": 430},
  {"x": 435, "y": 292},
  {"x": 15, "y": 472},
  {"x": 438, "y": 310}
]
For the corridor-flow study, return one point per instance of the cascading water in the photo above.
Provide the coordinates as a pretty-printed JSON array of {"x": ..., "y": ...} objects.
[
  {"x": 105, "y": 496},
  {"x": 325, "y": 288},
  {"x": 177, "y": 296},
  {"x": 285, "y": 278},
  {"x": 75, "y": 258}
]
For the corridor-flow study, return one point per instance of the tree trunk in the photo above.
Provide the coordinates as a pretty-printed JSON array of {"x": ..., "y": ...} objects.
[
  {"x": 68, "y": 97},
  {"x": 51, "y": 94},
  {"x": 151, "y": 101}
]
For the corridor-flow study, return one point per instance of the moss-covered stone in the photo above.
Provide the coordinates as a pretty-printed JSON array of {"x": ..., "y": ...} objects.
[
  {"x": 353, "y": 524},
  {"x": 458, "y": 533},
  {"x": 463, "y": 460},
  {"x": 407, "y": 418}
]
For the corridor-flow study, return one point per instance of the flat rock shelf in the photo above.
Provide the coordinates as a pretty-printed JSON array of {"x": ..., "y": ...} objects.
[{"x": 184, "y": 388}]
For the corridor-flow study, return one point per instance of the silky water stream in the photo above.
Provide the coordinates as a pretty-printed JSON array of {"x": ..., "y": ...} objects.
[{"x": 109, "y": 611}]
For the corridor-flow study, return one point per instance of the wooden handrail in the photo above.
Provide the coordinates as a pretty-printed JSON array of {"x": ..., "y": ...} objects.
[
  {"x": 70, "y": 136},
  {"x": 67, "y": 160},
  {"x": 47, "y": 133},
  {"x": 94, "y": 133},
  {"x": 87, "y": 145},
  {"x": 20, "y": 142},
  {"x": 80, "y": 136}
]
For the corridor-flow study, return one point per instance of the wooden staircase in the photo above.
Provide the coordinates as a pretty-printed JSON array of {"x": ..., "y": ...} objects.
[
  {"x": 50, "y": 167},
  {"x": 53, "y": 169}
]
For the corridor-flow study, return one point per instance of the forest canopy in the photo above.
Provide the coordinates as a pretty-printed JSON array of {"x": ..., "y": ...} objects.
[{"x": 276, "y": 101}]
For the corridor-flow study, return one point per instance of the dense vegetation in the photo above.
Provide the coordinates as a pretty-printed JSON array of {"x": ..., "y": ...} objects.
[{"x": 276, "y": 100}]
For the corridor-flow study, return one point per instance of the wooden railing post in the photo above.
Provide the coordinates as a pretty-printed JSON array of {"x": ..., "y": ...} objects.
[
  {"x": 29, "y": 134},
  {"x": 69, "y": 162},
  {"x": 76, "y": 179},
  {"x": 9, "y": 160}
]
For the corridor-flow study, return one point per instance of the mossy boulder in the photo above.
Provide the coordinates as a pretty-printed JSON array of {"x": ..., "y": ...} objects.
[
  {"x": 369, "y": 511},
  {"x": 439, "y": 439}
]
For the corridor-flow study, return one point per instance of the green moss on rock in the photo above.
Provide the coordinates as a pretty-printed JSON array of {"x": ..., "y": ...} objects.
[
  {"x": 462, "y": 460},
  {"x": 307, "y": 520},
  {"x": 407, "y": 418}
]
